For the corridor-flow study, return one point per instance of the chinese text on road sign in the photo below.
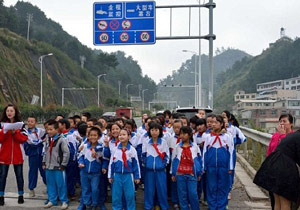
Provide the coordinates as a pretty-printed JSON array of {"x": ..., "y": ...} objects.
[{"x": 124, "y": 23}]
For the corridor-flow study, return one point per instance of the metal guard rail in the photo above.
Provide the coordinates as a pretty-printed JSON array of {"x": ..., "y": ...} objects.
[{"x": 258, "y": 136}]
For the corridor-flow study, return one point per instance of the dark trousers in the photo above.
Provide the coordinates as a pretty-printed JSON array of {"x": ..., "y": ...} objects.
[{"x": 19, "y": 176}]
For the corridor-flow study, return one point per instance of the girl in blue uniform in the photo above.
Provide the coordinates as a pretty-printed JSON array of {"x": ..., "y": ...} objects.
[
  {"x": 187, "y": 170},
  {"x": 155, "y": 159},
  {"x": 218, "y": 164},
  {"x": 123, "y": 172},
  {"x": 92, "y": 162}
]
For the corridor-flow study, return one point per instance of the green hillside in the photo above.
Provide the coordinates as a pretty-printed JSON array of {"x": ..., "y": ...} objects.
[
  {"x": 19, "y": 57},
  {"x": 223, "y": 60},
  {"x": 280, "y": 61}
]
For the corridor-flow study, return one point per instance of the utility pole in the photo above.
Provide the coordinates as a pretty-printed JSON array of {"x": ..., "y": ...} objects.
[
  {"x": 29, "y": 19},
  {"x": 119, "y": 82},
  {"x": 199, "y": 103},
  {"x": 211, "y": 64}
]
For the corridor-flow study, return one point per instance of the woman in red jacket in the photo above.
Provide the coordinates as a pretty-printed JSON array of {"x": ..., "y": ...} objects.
[
  {"x": 12, "y": 151},
  {"x": 284, "y": 128}
]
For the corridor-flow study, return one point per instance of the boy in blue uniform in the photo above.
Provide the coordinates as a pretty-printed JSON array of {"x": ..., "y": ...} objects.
[
  {"x": 34, "y": 149},
  {"x": 55, "y": 162}
]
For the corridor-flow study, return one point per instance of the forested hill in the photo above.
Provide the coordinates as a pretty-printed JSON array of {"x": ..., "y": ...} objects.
[
  {"x": 48, "y": 36},
  {"x": 223, "y": 60},
  {"x": 280, "y": 61}
]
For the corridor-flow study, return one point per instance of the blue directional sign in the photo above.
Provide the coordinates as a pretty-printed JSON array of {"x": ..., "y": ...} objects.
[{"x": 118, "y": 23}]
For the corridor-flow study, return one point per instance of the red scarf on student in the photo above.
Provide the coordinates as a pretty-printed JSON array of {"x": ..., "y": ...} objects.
[
  {"x": 161, "y": 155},
  {"x": 124, "y": 157},
  {"x": 216, "y": 139}
]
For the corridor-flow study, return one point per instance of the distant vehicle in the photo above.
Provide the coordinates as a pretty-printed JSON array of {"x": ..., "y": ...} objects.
[
  {"x": 124, "y": 111},
  {"x": 101, "y": 12},
  {"x": 190, "y": 112},
  {"x": 109, "y": 114}
]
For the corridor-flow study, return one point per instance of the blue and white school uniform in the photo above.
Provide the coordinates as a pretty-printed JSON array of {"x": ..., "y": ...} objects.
[
  {"x": 34, "y": 150},
  {"x": 155, "y": 160},
  {"x": 123, "y": 169},
  {"x": 238, "y": 138},
  {"x": 72, "y": 168},
  {"x": 103, "y": 178},
  {"x": 91, "y": 172},
  {"x": 172, "y": 142},
  {"x": 199, "y": 138},
  {"x": 187, "y": 183},
  {"x": 217, "y": 161}
]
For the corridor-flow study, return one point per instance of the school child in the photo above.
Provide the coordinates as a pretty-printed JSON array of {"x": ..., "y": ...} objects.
[
  {"x": 167, "y": 115},
  {"x": 103, "y": 177},
  {"x": 77, "y": 119},
  {"x": 59, "y": 117},
  {"x": 91, "y": 122},
  {"x": 193, "y": 121},
  {"x": 55, "y": 162},
  {"x": 187, "y": 169},
  {"x": 120, "y": 121},
  {"x": 72, "y": 168},
  {"x": 141, "y": 129},
  {"x": 155, "y": 159},
  {"x": 33, "y": 149},
  {"x": 63, "y": 127},
  {"x": 85, "y": 116},
  {"x": 103, "y": 120},
  {"x": 173, "y": 141},
  {"x": 72, "y": 124},
  {"x": 114, "y": 139},
  {"x": 201, "y": 114},
  {"x": 123, "y": 172},
  {"x": 133, "y": 140},
  {"x": 92, "y": 162},
  {"x": 199, "y": 139},
  {"x": 218, "y": 164},
  {"x": 238, "y": 138},
  {"x": 185, "y": 121}
]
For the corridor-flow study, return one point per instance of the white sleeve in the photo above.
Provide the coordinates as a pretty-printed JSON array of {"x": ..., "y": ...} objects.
[{"x": 230, "y": 149}]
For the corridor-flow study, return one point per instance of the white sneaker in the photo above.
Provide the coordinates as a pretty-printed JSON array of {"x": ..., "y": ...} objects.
[
  {"x": 31, "y": 193},
  {"x": 64, "y": 206},
  {"x": 48, "y": 205}
]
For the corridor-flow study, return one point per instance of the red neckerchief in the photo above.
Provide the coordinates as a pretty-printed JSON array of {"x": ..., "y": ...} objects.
[
  {"x": 216, "y": 139},
  {"x": 35, "y": 133},
  {"x": 116, "y": 141},
  {"x": 161, "y": 155},
  {"x": 124, "y": 157},
  {"x": 51, "y": 146},
  {"x": 178, "y": 140},
  {"x": 65, "y": 131}
]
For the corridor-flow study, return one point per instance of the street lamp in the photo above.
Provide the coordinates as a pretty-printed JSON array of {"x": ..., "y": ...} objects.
[
  {"x": 127, "y": 86},
  {"x": 41, "y": 62},
  {"x": 196, "y": 95},
  {"x": 143, "y": 91},
  {"x": 98, "y": 77}
]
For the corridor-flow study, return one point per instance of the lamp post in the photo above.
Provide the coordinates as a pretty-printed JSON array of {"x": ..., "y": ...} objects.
[
  {"x": 127, "y": 86},
  {"x": 41, "y": 62},
  {"x": 98, "y": 77},
  {"x": 143, "y": 93},
  {"x": 196, "y": 95}
]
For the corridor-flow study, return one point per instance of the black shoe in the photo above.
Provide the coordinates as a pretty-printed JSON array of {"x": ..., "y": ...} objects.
[
  {"x": 20, "y": 199},
  {"x": 1, "y": 200}
]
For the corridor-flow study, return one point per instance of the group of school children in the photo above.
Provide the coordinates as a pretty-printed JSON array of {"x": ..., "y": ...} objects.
[{"x": 169, "y": 156}]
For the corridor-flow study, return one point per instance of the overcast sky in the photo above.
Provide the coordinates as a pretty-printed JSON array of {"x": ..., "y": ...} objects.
[{"x": 248, "y": 25}]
